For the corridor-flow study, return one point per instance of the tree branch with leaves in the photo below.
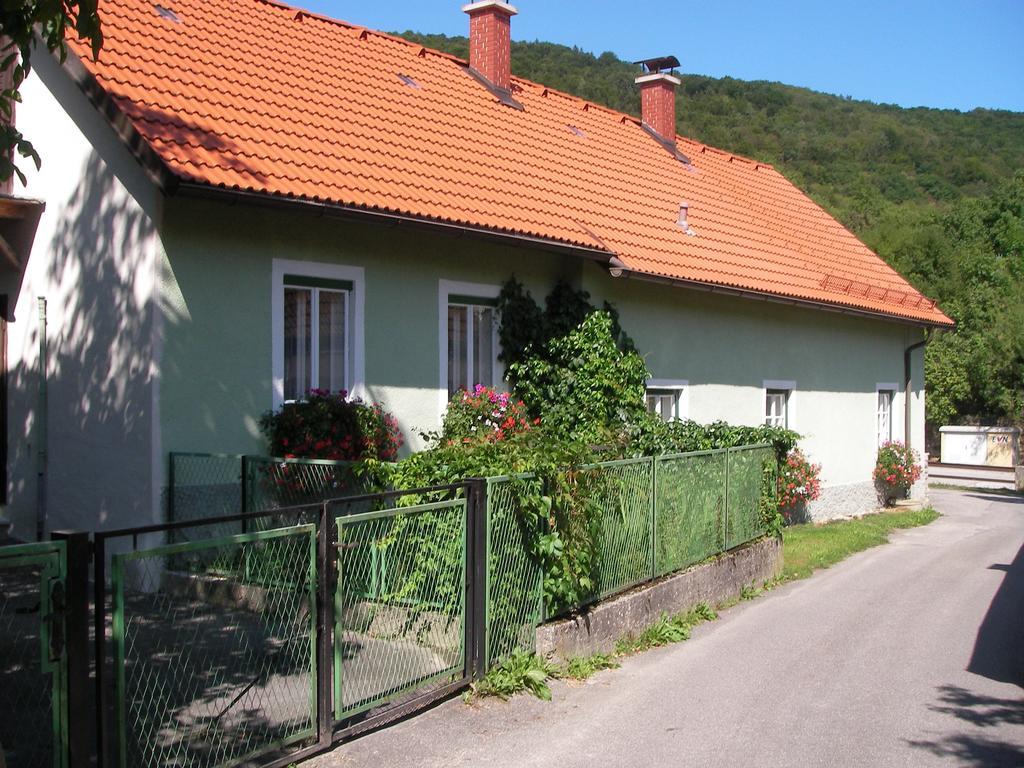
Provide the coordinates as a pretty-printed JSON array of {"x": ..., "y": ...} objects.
[{"x": 25, "y": 24}]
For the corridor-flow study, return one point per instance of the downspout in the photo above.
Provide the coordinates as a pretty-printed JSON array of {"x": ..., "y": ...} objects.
[
  {"x": 907, "y": 382},
  {"x": 41, "y": 436}
]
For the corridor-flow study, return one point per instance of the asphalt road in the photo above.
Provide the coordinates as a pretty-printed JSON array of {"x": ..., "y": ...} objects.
[{"x": 911, "y": 654}]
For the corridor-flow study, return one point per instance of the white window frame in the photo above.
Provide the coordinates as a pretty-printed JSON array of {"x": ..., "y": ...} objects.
[
  {"x": 355, "y": 368},
  {"x": 893, "y": 388},
  {"x": 681, "y": 388},
  {"x": 790, "y": 387},
  {"x": 446, "y": 289}
]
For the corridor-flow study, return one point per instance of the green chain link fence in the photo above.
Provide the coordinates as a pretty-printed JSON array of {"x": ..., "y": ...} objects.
[
  {"x": 272, "y": 483},
  {"x": 744, "y": 520},
  {"x": 690, "y": 508},
  {"x": 623, "y": 492},
  {"x": 201, "y": 486},
  {"x": 206, "y": 485},
  {"x": 214, "y": 648},
  {"x": 514, "y": 595},
  {"x": 648, "y": 517}
]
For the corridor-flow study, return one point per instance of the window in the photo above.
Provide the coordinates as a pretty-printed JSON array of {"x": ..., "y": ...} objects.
[
  {"x": 778, "y": 404},
  {"x": 886, "y": 396},
  {"x": 775, "y": 408},
  {"x": 472, "y": 342},
  {"x": 315, "y": 348},
  {"x": 317, "y": 321},
  {"x": 667, "y": 398},
  {"x": 467, "y": 338},
  {"x": 664, "y": 403}
]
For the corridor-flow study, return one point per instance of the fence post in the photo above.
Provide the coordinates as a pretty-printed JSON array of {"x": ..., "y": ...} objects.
[
  {"x": 654, "y": 517},
  {"x": 327, "y": 567},
  {"x": 76, "y": 644},
  {"x": 476, "y": 576},
  {"x": 245, "y": 492},
  {"x": 725, "y": 514},
  {"x": 99, "y": 617}
]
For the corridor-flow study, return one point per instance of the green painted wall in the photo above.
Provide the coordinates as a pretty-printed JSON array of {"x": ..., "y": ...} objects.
[
  {"x": 216, "y": 296},
  {"x": 217, "y": 368},
  {"x": 726, "y": 348}
]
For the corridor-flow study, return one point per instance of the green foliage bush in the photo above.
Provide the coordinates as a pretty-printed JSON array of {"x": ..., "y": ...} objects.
[{"x": 583, "y": 385}]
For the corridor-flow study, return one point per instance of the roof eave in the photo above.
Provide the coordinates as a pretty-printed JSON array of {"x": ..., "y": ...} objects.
[
  {"x": 390, "y": 218},
  {"x": 151, "y": 163},
  {"x": 776, "y": 298}
]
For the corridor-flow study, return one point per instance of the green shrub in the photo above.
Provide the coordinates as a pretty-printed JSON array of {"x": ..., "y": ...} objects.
[
  {"x": 522, "y": 671},
  {"x": 584, "y": 385}
]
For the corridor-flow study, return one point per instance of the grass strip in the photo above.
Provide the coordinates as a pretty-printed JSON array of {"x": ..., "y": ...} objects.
[
  {"x": 528, "y": 672},
  {"x": 808, "y": 547}
]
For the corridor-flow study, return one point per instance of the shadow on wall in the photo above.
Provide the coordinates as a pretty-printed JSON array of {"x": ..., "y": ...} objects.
[{"x": 99, "y": 382}]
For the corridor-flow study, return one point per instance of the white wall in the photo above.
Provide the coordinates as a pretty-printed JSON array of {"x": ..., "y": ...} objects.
[{"x": 94, "y": 260}]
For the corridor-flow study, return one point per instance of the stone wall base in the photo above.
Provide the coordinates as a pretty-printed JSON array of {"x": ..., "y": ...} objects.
[
  {"x": 838, "y": 501},
  {"x": 597, "y": 629}
]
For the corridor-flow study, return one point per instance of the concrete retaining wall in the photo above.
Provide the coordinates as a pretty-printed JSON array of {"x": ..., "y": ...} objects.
[{"x": 597, "y": 629}]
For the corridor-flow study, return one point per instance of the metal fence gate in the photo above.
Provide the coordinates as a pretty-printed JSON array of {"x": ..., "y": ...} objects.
[
  {"x": 33, "y": 662},
  {"x": 261, "y": 638},
  {"x": 401, "y": 631}
]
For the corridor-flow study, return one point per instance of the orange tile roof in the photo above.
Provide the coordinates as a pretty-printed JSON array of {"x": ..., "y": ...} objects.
[{"x": 255, "y": 95}]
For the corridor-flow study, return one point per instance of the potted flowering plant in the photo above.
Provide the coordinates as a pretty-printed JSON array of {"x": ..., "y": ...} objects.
[
  {"x": 798, "y": 484},
  {"x": 896, "y": 469},
  {"x": 328, "y": 425},
  {"x": 485, "y": 415}
]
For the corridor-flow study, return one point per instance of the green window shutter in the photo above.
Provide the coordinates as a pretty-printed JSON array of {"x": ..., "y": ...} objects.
[
  {"x": 474, "y": 301},
  {"x": 302, "y": 281}
]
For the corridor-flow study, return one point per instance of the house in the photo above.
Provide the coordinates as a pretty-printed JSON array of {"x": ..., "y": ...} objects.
[{"x": 245, "y": 200}]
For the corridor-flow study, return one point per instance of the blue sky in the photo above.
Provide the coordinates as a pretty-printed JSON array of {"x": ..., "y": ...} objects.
[{"x": 935, "y": 53}]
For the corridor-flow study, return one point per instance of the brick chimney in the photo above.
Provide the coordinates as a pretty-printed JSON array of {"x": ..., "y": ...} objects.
[
  {"x": 658, "y": 103},
  {"x": 490, "y": 40}
]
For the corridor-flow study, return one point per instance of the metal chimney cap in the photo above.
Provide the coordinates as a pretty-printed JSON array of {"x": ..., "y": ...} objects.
[{"x": 658, "y": 64}]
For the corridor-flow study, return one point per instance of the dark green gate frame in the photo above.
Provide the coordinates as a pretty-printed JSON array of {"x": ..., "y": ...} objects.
[
  {"x": 49, "y": 559},
  {"x": 416, "y": 597}
]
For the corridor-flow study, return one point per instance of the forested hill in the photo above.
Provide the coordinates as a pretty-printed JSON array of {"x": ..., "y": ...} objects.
[{"x": 937, "y": 193}]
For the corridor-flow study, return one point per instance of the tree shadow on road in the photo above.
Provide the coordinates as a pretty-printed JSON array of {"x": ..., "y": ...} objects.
[
  {"x": 975, "y": 751},
  {"x": 981, "y": 711},
  {"x": 997, "y": 648}
]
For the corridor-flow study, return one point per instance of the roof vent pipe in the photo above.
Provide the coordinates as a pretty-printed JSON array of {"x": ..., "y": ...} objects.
[
  {"x": 490, "y": 40},
  {"x": 684, "y": 219}
]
